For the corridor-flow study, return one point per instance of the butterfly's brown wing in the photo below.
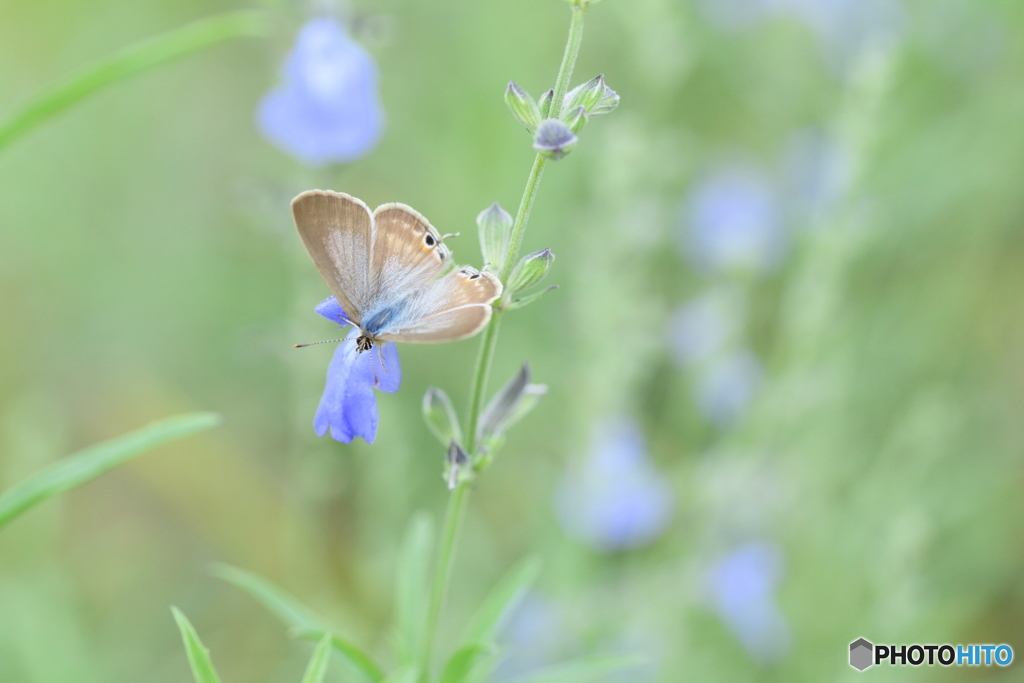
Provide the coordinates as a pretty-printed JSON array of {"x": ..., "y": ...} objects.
[
  {"x": 337, "y": 230},
  {"x": 454, "y": 307},
  {"x": 407, "y": 252}
]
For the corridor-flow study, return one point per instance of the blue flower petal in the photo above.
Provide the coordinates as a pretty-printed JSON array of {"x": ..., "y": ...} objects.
[
  {"x": 732, "y": 222},
  {"x": 328, "y": 109},
  {"x": 332, "y": 310},
  {"x": 388, "y": 378},
  {"x": 615, "y": 499},
  {"x": 348, "y": 407},
  {"x": 743, "y": 588}
]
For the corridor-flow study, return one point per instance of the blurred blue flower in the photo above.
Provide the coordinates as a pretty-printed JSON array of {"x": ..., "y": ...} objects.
[
  {"x": 348, "y": 407},
  {"x": 743, "y": 585},
  {"x": 726, "y": 387},
  {"x": 328, "y": 108},
  {"x": 704, "y": 326},
  {"x": 731, "y": 222},
  {"x": 535, "y": 636},
  {"x": 844, "y": 26},
  {"x": 841, "y": 26},
  {"x": 614, "y": 499}
]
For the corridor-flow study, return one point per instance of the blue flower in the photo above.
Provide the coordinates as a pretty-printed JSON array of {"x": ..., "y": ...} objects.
[
  {"x": 727, "y": 386},
  {"x": 328, "y": 108},
  {"x": 348, "y": 407},
  {"x": 841, "y": 26},
  {"x": 743, "y": 585},
  {"x": 731, "y": 222},
  {"x": 703, "y": 327},
  {"x": 615, "y": 500}
]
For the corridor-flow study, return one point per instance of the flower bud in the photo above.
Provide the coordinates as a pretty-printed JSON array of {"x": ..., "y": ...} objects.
[
  {"x": 594, "y": 96},
  {"x": 515, "y": 400},
  {"x": 575, "y": 119},
  {"x": 554, "y": 139},
  {"x": 545, "y": 103},
  {"x": 440, "y": 416},
  {"x": 522, "y": 106},
  {"x": 458, "y": 464},
  {"x": 530, "y": 270},
  {"x": 495, "y": 228}
]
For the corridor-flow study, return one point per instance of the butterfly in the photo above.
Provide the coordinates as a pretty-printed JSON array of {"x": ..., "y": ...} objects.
[{"x": 383, "y": 267}]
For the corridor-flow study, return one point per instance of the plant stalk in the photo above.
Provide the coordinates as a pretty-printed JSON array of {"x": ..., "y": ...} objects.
[{"x": 458, "y": 498}]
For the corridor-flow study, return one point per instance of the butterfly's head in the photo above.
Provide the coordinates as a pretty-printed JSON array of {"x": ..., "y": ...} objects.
[{"x": 364, "y": 343}]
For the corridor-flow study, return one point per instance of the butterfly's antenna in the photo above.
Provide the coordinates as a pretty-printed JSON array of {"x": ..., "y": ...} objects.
[
  {"x": 326, "y": 341},
  {"x": 451, "y": 234},
  {"x": 380, "y": 355}
]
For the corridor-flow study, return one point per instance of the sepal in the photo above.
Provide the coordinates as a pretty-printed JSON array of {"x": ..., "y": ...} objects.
[
  {"x": 530, "y": 270},
  {"x": 594, "y": 96},
  {"x": 515, "y": 400},
  {"x": 522, "y": 106},
  {"x": 528, "y": 299},
  {"x": 439, "y": 414},
  {"x": 495, "y": 228}
]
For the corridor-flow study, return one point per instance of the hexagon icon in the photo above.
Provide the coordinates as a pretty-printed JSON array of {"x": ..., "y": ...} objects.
[{"x": 861, "y": 652}]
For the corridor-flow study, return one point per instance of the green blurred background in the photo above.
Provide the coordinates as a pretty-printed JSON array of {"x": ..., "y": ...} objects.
[{"x": 149, "y": 265}]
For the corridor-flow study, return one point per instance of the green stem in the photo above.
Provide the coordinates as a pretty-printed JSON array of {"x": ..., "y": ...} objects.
[
  {"x": 442, "y": 573},
  {"x": 457, "y": 501},
  {"x": 480, "y": 374},
  {"x": 572, "y": 49},
  {"x": 130, "y": 61}
]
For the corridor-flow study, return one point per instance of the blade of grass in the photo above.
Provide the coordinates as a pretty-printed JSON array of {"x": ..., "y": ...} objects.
[
  {"x": 463, "y": 662},
  {"x": 317, "y": 667},
  {"x": 302, "y": 621},
  {"x": 89, "y": 463},
  {"x": 500, "y": 602},
  {"x": 130, "y": 61},
  {"x": 412, "y": 581},
  {"x": 361, "y": 661},
  {"x": 198, "y": 655},
  {"x": 294, "y": 614}
]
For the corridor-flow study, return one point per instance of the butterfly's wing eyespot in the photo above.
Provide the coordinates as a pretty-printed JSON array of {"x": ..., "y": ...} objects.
[
  {"x": 337, "y": 230},
  {"x": 454, "y": 307},
  {"x": 407, "y": 252}
]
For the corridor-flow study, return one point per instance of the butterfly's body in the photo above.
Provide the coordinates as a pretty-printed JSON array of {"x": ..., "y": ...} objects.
[{"x": 383, "y": 269}]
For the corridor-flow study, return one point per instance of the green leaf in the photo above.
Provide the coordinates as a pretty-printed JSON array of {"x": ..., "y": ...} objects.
[
  {"x": 363, "y": 664},
  {"x": 317, "y": 667},
  {"x": 412, "y": 586},
  {"x": 89, "y": 463},
  {"x": 528, "y": 299},
  {"x": 407, "y": 674},
  {"x": 302, "y": 621},
  {"x": 581, "y": 671},
  {"x": 198, "y": 656},
  {"x": 501, "y": 601},
  {"x": 130, "y": 61},
  {"x": 463, "y": 662},
  {"x": 294, "y": 614}
]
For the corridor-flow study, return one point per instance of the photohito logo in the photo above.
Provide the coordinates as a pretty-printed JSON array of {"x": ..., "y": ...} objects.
[{"x": 864, "y": 654}]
